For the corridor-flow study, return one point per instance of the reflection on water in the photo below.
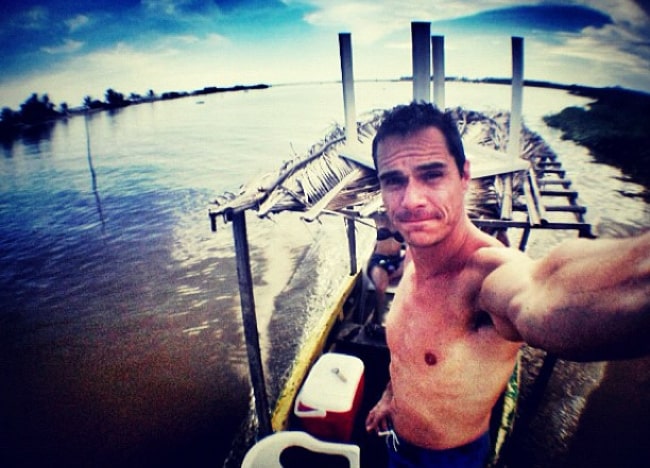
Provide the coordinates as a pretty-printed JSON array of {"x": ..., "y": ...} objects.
[{"x": 119, "y": 328}]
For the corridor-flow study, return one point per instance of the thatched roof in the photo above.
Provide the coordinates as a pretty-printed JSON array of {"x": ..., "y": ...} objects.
[{"x": 324, "y": 180}]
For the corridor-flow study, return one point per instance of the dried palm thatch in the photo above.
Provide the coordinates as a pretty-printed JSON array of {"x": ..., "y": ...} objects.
[{"x": 325, "y": 181}]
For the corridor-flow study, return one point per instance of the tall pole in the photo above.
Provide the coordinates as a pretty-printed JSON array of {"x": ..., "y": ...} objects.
[
  {"x": 351, "y": 133},
  {"x": 438, "y": 51},
  {"x": 514, "y": 145},
  {"x": 421, "y": 55},
  {"x": 249, "y": 319},
  {"x": 347, "y": 79},
  {"x": 352, "y": 243},
  {"x": 514, "y": 132}
]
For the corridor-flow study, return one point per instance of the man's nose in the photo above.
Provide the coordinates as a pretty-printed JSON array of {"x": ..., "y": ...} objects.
[{"x": 413, "y": 195}]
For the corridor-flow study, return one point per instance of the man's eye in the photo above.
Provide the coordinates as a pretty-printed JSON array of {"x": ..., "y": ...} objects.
[
  {"x": 392, "y": 181},
  {"x": 432, "y": 175}
]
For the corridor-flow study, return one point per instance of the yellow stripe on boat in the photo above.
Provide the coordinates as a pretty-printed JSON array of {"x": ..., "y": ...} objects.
[{"x": 309, "y": 352}]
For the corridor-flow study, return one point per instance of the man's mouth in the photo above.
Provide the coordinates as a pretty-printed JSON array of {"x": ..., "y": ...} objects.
[{"x": 416, "y": 216}]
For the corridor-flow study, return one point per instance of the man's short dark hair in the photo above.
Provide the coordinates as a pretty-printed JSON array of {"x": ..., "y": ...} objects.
[{"x": 405, "y": 120}]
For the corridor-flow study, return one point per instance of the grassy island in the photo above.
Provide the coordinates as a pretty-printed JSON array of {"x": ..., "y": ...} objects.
[{"x": 615, "y": 128}]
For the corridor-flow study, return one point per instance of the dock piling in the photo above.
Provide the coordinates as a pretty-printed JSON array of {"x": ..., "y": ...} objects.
[
  {"x": 438, "y": 51},
  {"x": 421, "y": 55},
  {"x": 347, "y": 79},
  {"x": 249, "y": 318}
]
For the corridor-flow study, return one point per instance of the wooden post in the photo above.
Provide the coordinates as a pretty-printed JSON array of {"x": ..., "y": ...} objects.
[
  {"x": 438, "y": 51},
  {"x": 421, "y": 54},
  {"x": 514, "y": 145},
  {"x": 352, "y": 243},
  {"x": 249, "y": 318},
  {"x": 347, "y": 80},
  {"x": 514, "y": 132}
]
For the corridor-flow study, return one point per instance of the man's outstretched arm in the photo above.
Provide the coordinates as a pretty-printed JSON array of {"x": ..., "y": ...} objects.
[{"x": 586, "y": 300}]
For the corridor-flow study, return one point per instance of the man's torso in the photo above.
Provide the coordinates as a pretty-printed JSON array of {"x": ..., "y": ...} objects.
[{"x": 448, "y": 363}]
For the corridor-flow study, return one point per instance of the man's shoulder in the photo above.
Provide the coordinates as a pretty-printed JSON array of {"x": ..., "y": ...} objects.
[
  {"x": 483, "y": 239},
  {"x": 492, "y": 256},
  {"x": 480, "y": 244}
]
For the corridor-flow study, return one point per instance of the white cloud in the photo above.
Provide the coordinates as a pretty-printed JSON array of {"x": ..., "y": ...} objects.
[
  {"x": 615, "y": 54},
  {"x": 595, "y": 56},
  {"x": 371, "y": 21},
  {"x": 76, "y": 22},
  {"x": 190, "y": 63},
  {"x": 622, "y": 12},
  {"x": 596, "y": 47},
  {"x": 630, "y": 31},
  {"x": 381, "y": 40},
  {"x": 161, "y": 6},
  {"x": 214, "y": 39},
  {"x": 185, "y": 39},
  {"x": 178, "y": 7},
  {"x": 68, "y": 46},
  {"x": 189, "y": 40},
  {"x": 34, "y": 18},
  {"x": 605, "y": 56},
  {"x": 367, "y": 21}
]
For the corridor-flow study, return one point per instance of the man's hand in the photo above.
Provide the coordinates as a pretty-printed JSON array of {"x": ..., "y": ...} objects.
[{"x": 378, "y": 419}]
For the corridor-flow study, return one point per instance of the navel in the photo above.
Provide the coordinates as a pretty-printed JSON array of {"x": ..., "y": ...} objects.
[{"x": 430, "y": 358}]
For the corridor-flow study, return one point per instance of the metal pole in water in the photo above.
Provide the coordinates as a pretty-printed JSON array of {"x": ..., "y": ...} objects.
[
  {"x": 347, "y": 79},
  {"x": 249, "y": 318},
  {"x": 438, "y": 51},
  {"x": 421, "y": 45}
]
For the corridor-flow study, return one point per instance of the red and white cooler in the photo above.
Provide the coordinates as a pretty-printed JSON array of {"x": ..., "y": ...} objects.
[{"x": 330, "y": 397}]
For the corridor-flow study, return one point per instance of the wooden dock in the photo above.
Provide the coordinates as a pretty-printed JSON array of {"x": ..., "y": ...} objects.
[{"x": 549, "y": 202}]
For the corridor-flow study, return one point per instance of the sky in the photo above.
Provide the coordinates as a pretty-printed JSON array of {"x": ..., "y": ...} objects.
[{"x": 70, "y": 49}]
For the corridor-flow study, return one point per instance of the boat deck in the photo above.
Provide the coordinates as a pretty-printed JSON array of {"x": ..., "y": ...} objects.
[
  {"x": 533, "y": 194},
  {"x": 548, "y": 202}
]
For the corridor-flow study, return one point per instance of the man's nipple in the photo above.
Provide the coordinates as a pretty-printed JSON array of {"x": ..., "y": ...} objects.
[{"x": 430, "y": 358}]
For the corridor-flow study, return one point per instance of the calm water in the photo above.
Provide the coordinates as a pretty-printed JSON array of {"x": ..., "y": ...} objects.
[{"x": 119, "y": 327}]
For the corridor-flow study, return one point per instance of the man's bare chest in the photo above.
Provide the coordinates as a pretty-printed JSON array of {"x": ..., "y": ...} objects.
[{"x": 434, "y": 323}]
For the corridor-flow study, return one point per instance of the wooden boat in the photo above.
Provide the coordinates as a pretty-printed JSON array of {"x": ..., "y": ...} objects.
[{"x": 336, "y": 178}]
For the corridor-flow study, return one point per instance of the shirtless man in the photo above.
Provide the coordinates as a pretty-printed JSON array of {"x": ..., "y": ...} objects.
[{"x": 466, "y": 303}]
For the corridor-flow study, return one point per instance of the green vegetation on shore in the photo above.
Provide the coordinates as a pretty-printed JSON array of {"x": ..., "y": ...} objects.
[
  {"x": 39, "y": 112},
  {"x": 615, "y": 128}
]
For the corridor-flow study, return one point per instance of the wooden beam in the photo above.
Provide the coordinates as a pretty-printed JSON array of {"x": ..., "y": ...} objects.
[
  {"x": 249, "y": 318},
  {"x": 347, "y": 79},
  {"x": 438, "y": 51},
  {"x": 421, "y": 57}
]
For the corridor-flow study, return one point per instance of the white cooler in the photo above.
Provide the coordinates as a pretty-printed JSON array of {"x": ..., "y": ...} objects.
[{"x": 330, "y": 397}]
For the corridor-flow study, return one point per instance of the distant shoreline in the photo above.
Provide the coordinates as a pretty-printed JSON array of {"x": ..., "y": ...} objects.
[
  {"x": 615, "y": 127},
  {"x": 169, "y": 95},
  {"x": 38, "y": 114}
]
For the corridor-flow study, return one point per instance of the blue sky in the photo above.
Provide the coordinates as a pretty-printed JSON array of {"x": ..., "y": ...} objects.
[{"x": 70, "y": 49}]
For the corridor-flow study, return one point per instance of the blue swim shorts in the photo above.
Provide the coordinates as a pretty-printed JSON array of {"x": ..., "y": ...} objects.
[{"x": 402, "y": 454}]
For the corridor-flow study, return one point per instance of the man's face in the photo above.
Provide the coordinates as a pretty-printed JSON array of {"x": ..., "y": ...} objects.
[{"x": 421, "y": 186}]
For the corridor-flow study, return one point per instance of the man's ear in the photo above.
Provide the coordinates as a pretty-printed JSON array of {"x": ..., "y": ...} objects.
[{"x": 466, "y": 177}]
